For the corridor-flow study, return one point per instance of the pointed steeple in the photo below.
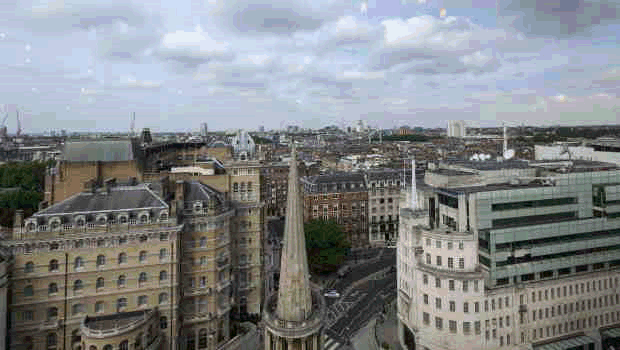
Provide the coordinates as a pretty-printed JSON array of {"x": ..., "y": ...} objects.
[{"x": 294, "y": 294}]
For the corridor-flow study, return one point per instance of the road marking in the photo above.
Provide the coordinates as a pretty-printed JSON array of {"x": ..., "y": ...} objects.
[{"x": 329, "y": 343}]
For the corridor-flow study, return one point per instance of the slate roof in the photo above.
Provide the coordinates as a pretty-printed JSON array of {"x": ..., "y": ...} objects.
[
  {"x": 197, "y": 191},
  {"x": 492, "y": 164},
  {"x": 119, "y": 198},
  {"x": 92, "y": 151}
]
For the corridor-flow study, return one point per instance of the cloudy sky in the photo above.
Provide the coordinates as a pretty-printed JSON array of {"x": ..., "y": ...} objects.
[{"x": 82, "y": 65}]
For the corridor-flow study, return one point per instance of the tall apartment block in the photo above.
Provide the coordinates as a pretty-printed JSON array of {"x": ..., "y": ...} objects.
[
  {"x": 383, "y": 203},
  {"x": 512, "y": 254}
]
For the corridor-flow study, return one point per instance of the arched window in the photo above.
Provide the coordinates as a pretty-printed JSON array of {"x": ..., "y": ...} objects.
[
  {"x": 80, "y": 222},
  {"x": 99, "y": 307},
  {"x": 79, "y": 263},
  {"x": 52, "y": 288},
  {"x": 163, "y": 298},
  {"x": 54, "y": 246},
  {"x": 203, "y": 261},
  {"x": 191, "y": 342},
  {"x": 52, "y": 313},
  {"x": 121, "y": 304},
  {"x": 242, "y": 187},
  {"x": 100, "y": 283},
  {"x": 32, "y": 226},
  {"x": 101, "y": 220},
  {"x": 51, "y": 341},
  {"x": 107, "y": 347},
  {"x": 143, "y": 300},
  {"x": 163, "y": 217},
  {"x": 100, "y": 260},
  {"x": 53, "y": 265},
  {"x": 122, "y": 219},
  {"x": 144, "y": 218},
  {"x": 235, "y": 187},
  {"x": 203, "y": 242},
  {"x": 143, "y": 256},
  {"x": 78, "y": 285},
  {"x": 28, "y": 291},
  {"x": 29, "y": 267},
  {"x": 250, "y": 186},
  {"x": 120, "y": 283},
  {"x": 202, "y": 339},
  {"x": 138, "y": 342},
  {"x": 163, "y": 322},
  {"x": 143, "y": 278},
  {"x": 124, "y": 345},
  {"x": 163, "y": 254},
  {"x": 92, "y": 347},
  {"x": 77, "y": 309},
  {"x": 122, "y": 258}
]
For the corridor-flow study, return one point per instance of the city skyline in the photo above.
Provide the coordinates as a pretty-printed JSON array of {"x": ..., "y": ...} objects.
[{"x": 81, "y": 65}]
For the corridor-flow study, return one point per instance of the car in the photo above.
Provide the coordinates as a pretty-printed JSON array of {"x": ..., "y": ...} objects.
[
  {"x": 332, "y": 294},
  {"x": 343, "y": 271}
]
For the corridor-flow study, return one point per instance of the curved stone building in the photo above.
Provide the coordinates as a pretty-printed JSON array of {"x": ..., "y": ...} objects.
[{"x": 293, "y": 316}]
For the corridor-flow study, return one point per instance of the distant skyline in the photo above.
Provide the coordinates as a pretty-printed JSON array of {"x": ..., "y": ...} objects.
[{"x": 86, "y": 65}]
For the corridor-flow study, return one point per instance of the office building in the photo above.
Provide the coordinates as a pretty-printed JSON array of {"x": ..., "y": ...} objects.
[{"x": 512, "y": 254}]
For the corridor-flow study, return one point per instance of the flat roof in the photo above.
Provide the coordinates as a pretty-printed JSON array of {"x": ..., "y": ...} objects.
[
  {"x": 451, "y": 172},
  {"x": 490, "y": 188},
  {"x": 491, "y": 164}
]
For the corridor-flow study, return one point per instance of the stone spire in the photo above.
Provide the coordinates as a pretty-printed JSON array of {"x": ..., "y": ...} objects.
[{"x": 294, "y": 295}]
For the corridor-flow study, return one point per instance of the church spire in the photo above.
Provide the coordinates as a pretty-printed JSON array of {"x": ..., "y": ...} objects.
[{"x": 294, "y": 295}]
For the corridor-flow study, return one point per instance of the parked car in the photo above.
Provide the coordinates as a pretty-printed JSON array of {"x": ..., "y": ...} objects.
[
  {"x": 332, "y": 294},
  {"x": 343, "y": 271}
]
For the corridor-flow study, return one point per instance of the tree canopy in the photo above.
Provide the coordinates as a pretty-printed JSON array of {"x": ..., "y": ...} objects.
[
  {"x": 326, "y": 245},
  {"x": 21, "y": 187}
]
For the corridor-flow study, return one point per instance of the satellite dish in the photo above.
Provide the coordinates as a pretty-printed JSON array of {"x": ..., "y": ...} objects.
[{"x": 509, "y": 154}]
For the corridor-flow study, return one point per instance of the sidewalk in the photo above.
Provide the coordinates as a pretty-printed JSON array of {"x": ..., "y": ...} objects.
[{"x": 364, "y": 338}]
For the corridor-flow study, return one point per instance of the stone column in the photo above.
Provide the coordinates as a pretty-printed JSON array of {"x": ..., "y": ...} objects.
[
  {"x": 316, "y": 341},
  {"x": 303, "y": 344},
  {"x": 267, "y": 341},
  {"x": 279, "y": 343}
]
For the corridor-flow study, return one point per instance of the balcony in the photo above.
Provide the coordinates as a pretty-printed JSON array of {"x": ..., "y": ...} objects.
[
  {"x": 50, "y": 325},
  {"x": 247, "y": 285},
  {"x": 222, "y": 263},
  {"x": 221, "y": 285},
  {"x": 115, "y": 324},
  {"x": 522, "y": 308}
]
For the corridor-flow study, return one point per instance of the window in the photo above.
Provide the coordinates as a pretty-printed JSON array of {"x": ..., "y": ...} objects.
[
  {"x": 476, "y": 307},
  {"x": 121, "y": 304},
  {"x": 450, "y": 263},
  {"x": 99, "y": 307},
  {"x": 52, "y": 313},
  {"x": 78, "y": 285},
  {"x": 466, "y": 327},
  {"x": 428, "y": 259},
  {"x": 451, "y": 284},
  {"x": 477, "y": 327},
  {"x": 121, "y": 282},
  {"x": 425, "y": 298},
  {"x": 438, "y": 303},
  {"x": 100, "y": 283},
  {"x": 438, "y": 322},
  {"x": 53, "y": 265},
  {"x": 428, "y": 242},
  {"x": 163, "y": 322},
  {"x": 124, "y": 345},
  {"x": 77, "y": 309},
  {"x": 142, "y": 257},
  {"x": 438, "y": 244},
  {"x": 203, "y": 261},
  {"x": 163, "y": 298},
  {"x": 461, "y": 246},
  {"x": 163, "y": 276},
  {"x": 51, "y": 341},
  {"x": 78, "y": 263},
  {"x": 461, "y": 263},
  {"x": 466, "y": 307},
  {"x": 438, "y": 260},
  {"x": 203, "y": 242},
  {"x": 452, "y": 326},
  {"x": 426, "y": 318},
  {"x": 28, "y": 291},
  {"x": 425, "y": 279},
  {"x": 29, "y": 267},
  {"x": 122, "y": 258},
  {"x": 437, "y": 282},
  {"x": 450, "y": 245},
  {"x": 100, "y": 260},
  {"x": 465, "y": 286},
  {"x": 52, "y": 288},
  {"x": 452, "y": 306},
  {"x": 142, "y": 300},
  {"x": 163, "y": 254},
  {"x": 142, "y": 279}
]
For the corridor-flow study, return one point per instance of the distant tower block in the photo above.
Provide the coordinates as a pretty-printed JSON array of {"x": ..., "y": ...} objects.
[
  {"x": 456, "y": 128},
  {"x": 203, "y": 130}
]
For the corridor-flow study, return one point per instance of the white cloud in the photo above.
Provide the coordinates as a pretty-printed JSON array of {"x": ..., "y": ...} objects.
[
  {"x": 193, "y": 48},
  {"x": 131, "y": 82}
]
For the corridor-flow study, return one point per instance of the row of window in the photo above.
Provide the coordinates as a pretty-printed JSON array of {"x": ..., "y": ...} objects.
[
  {"x": 242, "y": 187},
  {"x": 571, "y": 326},
  {"x": 452, "y": 284},
  {"x": 79, "y": 263},
  {"x": 578, "y": 306},
  {"x": 99, "y": 243},
  {"x": 603, "y": 284},
  {"x": 450, "y": 244},
  {"x": 452, "y": 325},
  {"x": 452, "y": 306},
  {"x": 439, "y": 261},
  {"x": 78, "y": 285}
]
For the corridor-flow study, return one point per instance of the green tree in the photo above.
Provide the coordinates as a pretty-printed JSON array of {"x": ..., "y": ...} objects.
[
  {"x": 326, "y": 245},
  {"x": 21, "y": 187}
]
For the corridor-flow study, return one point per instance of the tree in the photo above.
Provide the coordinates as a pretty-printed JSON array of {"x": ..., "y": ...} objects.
[
  {"x": 21, "y": 187},
  {"x": 326, "y": 245}
]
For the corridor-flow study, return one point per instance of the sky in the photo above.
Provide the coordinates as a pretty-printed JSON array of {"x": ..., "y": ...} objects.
[{"x": 87, "y": 65}]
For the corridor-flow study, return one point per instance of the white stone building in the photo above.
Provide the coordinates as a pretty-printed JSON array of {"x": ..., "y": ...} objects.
[{"x": 519, "y": 262}]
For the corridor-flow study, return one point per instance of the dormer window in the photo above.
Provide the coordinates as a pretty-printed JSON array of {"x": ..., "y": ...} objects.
[
  {"x": 163, "y": 217},
  {"x": 122, "y": 219},
  {"x": 31, "y": 226},
  {"x": 144, "y": 218},
  {"x": 197, "y": 206},
  {"x": 54, "y": 224},
  {"x": 80, "y": 221},
  {"x": 101, "y": 220}
]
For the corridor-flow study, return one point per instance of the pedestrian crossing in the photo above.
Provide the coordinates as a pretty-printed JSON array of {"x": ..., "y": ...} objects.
[
  {"x": 335, "y": 311},
  {"x": 330, "y": 344}
]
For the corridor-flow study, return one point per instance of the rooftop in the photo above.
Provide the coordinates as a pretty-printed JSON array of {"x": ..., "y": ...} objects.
[
  {"x": 197, "y": 191},
  {"x": 119, "y": 198},
  {"x": 491, "y": 164},
  {"x": 93, "y": 151},
  {"x": 451, "y": 172},
  {"x": 335, "y": 178}
]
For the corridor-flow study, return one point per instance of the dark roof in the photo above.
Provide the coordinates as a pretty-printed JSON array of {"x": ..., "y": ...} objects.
[
  {"x": 339, "y": 177},
  {"x": 491, "y": 164},
  {"x": 490, "y": 188},
  {"x": 119, "y": 198},
  {"x": 379, "y": 174},
  {"x": 450, "y": 172},
  {"x": 92, "y": 151},
  {"x": 197, "y": 191}
]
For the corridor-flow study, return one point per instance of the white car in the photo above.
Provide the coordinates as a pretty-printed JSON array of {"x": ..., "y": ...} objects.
[{"x": 332, "y": 294}]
